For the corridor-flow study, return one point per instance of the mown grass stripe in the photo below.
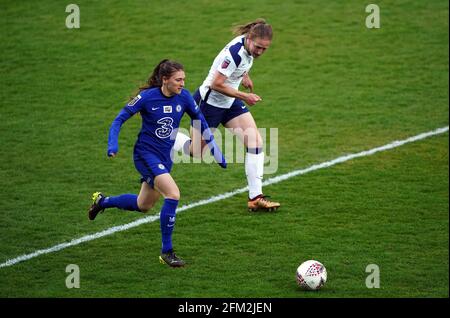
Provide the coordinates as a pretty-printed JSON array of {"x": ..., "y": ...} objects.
[{"x": 223, "y": 196}]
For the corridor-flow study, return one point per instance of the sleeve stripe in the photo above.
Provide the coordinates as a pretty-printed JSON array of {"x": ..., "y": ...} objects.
[{"x": 234, "y": 50}]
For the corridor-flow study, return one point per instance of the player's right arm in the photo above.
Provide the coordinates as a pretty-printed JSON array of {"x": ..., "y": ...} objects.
[
  {"x": 219, "y": 85},
  {"x": 129, "y": 110}
]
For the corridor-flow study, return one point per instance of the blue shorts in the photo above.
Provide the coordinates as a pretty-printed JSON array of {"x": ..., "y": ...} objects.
[
  {"x": 150, "y": 166},
  {"x": 216, "y": 115}
]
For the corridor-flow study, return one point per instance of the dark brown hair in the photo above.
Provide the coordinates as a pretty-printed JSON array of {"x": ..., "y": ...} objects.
[
  {"x": 165, "y": 68},
  {"x": 256, "y": 29}
]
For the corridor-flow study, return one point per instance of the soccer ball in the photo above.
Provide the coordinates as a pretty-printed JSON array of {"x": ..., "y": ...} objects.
[{"x": 311, "y": 275}]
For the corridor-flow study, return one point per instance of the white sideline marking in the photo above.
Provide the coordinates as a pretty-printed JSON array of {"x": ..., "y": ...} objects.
[{"x": 223, "y": 196}]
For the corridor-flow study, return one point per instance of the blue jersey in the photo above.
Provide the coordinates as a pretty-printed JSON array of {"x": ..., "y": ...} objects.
[{"x": 161, "y": 116}]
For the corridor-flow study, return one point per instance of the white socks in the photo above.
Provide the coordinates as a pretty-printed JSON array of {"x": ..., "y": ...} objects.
[
  {"x": 182, "y": 143},
  {"x": 254, "y": 164},
  {"x": 254, "y": 169}
]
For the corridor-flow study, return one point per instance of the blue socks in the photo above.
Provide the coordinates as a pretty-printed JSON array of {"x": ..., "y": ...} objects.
[
  {"x": 123, "y": 201},
  {"x": 167, "y": 222},
  {"x": 167, "y": 215}
]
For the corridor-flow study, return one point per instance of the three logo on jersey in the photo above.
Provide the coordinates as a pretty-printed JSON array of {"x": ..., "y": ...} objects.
[{"x": 165, "y": 129}]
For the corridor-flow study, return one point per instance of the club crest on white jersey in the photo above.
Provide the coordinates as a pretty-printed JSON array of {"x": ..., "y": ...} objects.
[{"x": 233, "y": 62}]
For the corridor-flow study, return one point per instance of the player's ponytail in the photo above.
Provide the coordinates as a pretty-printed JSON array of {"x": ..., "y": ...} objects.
[
  {"x": 256, "y": 29},
  {"x": 155, "y": 80},
  {"x": 165, "y": 68}
]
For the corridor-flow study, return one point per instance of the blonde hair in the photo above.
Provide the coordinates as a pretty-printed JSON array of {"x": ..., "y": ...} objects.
[{"x": 255, "y": 29}]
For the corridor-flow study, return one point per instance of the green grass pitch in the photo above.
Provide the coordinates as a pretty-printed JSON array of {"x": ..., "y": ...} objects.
[{"x": 329, "y": 84}]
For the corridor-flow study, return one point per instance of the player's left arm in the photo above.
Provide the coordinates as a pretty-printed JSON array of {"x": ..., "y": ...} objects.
[{"x": 247, "y": 82}]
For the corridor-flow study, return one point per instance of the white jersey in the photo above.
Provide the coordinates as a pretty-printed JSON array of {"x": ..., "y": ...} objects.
[{"x": 233, "y": 61}]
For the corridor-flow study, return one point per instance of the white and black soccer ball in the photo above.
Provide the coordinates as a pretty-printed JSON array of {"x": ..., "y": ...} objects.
[{"x": 311, "y": 275}]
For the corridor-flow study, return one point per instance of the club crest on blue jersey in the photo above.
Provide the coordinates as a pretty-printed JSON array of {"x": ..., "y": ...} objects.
[
  {"x": 134, "y": 100},
  {"x": 161, "y": 166},
  {"x": 178, "y": 108}
]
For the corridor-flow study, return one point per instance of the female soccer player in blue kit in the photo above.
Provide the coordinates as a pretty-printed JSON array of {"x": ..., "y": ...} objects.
[{"x": 161, "y": 103}]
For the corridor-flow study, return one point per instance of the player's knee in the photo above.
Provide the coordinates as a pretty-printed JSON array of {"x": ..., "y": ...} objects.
[
  {"x": 145, "y": 207},
  {"x": 174, "y": 195},
  {"x": 253, "y": 139},
  {"x": 144, "y": 210},
  {"x": 196, "y": 150},
  {"x": 259, "y": 142}
]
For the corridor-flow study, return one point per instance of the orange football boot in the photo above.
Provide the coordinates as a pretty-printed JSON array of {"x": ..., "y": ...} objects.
[{"x": 260, "y": 203}]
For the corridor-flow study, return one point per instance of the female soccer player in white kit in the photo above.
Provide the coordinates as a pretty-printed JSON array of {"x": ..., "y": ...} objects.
[{"x": 221, "y": 102}]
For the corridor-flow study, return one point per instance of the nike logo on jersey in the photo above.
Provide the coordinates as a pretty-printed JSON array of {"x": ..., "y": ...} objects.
[{"x": 155, "y": 108}]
